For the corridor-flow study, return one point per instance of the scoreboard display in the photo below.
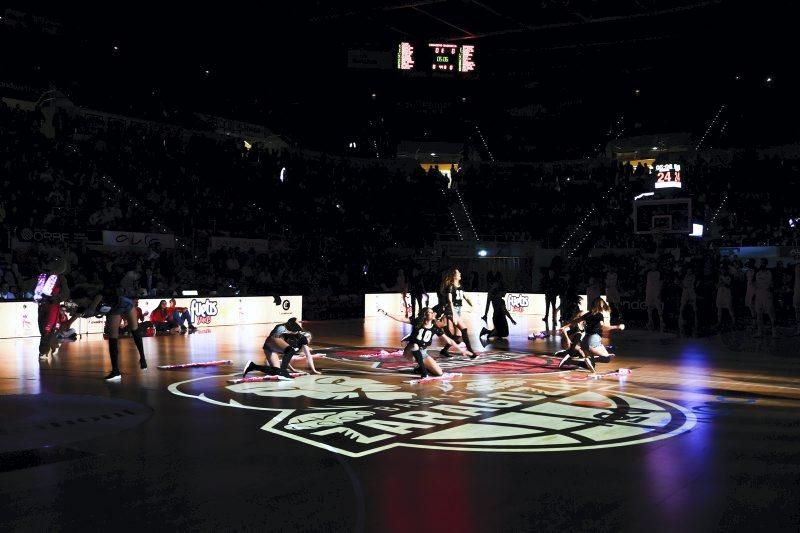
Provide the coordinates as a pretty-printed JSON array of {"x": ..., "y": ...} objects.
[
  {"x": 436, "y": 57},
  {"x": 668, "y": 176}
]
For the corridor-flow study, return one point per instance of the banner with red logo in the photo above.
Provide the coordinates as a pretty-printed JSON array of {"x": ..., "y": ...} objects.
[{"x": 20, "y": 319}]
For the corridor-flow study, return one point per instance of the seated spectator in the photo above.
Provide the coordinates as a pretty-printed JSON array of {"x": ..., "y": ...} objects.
[
  {"x": 179, "y": 316},
  {"x": 64, "y": 329},
  {"x": 5, "y": 293},
  {"x": 160, "y": 319}
]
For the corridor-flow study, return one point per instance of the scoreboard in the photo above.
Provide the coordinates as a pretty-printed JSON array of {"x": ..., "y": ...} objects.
[
  {"x": 668, "y": 176},
  {"x": 436, "y": 57}
]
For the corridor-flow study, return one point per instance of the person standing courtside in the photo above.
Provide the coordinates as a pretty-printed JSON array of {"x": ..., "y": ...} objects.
[{"x": 764, "y": 302}]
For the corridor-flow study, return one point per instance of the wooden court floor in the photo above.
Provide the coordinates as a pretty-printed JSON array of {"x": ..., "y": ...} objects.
[{"x": 701, "y": 435}]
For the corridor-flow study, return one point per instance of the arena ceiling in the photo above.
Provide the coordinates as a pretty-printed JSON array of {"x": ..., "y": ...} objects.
[{"x": 583, "y": 61}]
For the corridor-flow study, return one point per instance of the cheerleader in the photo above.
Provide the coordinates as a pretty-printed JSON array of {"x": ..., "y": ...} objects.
[
  {"x": 416, "y": 290},
  {"x": 552, "y": 288},
  {"x": 724, "y": 300},
  {"x": 51, "y": 289},
  {"x": 453, "y": 298},
  {"x": 570, "y": 301},
  {"x": 572, "y": 334},
  {"x": 113, "y": 307},
  {"x": 424, "y": 328},
  {"x": 287, "y": 339},
  {"x": 497, "y": 299},
  {"x": 688, "y": 297},
  {"x": 591, "y": 343}
]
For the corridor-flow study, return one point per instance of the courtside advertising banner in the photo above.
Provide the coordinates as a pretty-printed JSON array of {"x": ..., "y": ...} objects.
[
  {"x": 527, "y": 307},
  {"x": 395, "y": 303},
  {"x": 20, "y": 319}
]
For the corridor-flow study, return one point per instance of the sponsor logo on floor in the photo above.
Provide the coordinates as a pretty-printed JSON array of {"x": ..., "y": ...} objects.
[{"x": 357, "y": 416}]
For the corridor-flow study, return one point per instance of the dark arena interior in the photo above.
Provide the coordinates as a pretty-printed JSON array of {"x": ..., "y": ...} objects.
[{"x": 452, "y": 265}]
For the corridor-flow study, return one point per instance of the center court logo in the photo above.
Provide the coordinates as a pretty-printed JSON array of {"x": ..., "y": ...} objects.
[{"x": 362, "y": 416}]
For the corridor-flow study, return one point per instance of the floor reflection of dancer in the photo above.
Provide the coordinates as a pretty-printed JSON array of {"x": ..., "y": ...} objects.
[
  {"x": 592, "y": 343},
  {"x": 652, "y": 298},
  {"x": 286, "y": 339},
  {"x": 497, "y": 299},
  {"x": 688, "y": 298},
  {"x": 113, "y": 307},
  {"x": 551, "y": 286},
  {"x": 51, "y": 289},
  {"x": 613, "y": 296},
  {"x": 424, "y": 328},
  {"x": 454, "y": 294},
  {"x": 764, "y": 303},
  {"x": 724, "y": 300}
]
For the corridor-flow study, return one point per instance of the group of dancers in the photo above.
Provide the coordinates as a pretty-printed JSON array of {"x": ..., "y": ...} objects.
[
  {"x": 117, "y": 305},
  {"x": 580, "y": 336},
  {"x": 443, "y": 320}
]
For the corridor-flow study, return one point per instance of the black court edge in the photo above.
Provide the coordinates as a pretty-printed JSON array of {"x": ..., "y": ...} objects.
[{"x": 22, "y": 459}]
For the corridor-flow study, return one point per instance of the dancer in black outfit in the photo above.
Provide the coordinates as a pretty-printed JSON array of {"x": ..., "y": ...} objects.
[
  {"x": 287, "y": 338},
  {"x": 571, "y": 339},
  {"x": 113, "y": 307},
  {"x": 420, "y": 339},
  {"x": 497, "y": 299},
  {"x": 570, "y": 304},
  {"x": 551, "y": 286},
  {"x": 416, "y": 290},
  {"x": 452, "y": 295},
  {"x": 591, "y": 343}
]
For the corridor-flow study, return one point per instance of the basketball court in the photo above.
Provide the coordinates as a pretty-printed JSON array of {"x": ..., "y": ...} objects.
[{"x": 693, "y": 434}]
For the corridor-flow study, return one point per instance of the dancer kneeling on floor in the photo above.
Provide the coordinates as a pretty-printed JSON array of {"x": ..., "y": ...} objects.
[
  {"x": 591, "y": 344},
  {"x": 286, "y": 339},
  {"x": 420, "y": 339},
  {"x": 572, "y": 352}
]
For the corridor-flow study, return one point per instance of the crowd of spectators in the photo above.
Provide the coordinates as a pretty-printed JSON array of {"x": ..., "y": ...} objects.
[
  {"x": 738, "y": 196},
  {"x": 352, "y": 216}
]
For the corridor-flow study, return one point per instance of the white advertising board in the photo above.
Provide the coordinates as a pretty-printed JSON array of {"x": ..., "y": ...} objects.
[
  {"x": 520, "y": 305},
  {"x": 20, "y": 319},
  {"x": 394, "y": 303}
]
